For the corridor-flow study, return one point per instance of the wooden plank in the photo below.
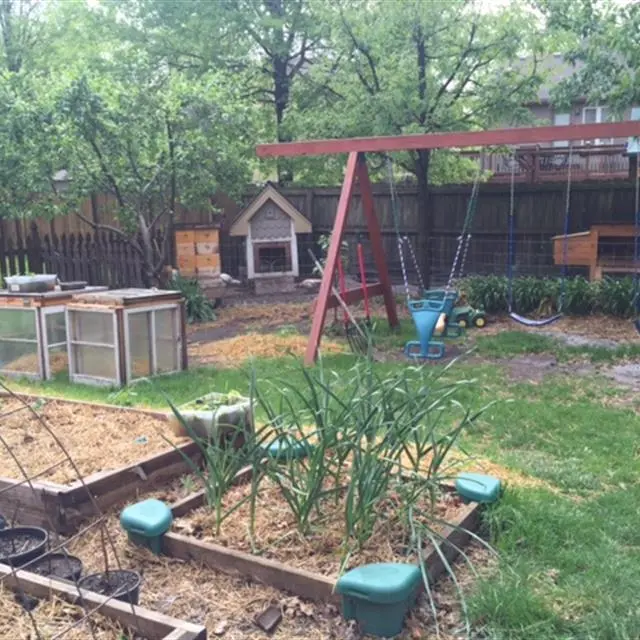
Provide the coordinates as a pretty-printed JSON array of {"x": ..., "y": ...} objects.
[
  {"x": 448, "y": 140},
  {"x": 154, "y": 467},
  {"x": 199, "y": 498},
  {"x": 270, "y": 572},
  {"x": 355, "y": 295},
  {"x": 147, "y": 623},
  {"x": 457, "y": 536},
  {"x": 320, "y": 312}
]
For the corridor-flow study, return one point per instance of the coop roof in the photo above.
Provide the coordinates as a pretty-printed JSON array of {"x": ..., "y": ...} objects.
[{"x": 240, "y": 226}]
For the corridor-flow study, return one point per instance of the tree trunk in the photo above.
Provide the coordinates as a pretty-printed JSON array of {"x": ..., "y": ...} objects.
[
  {"x": 148, "y": 275},
  {"x": 425, "y": 219}
]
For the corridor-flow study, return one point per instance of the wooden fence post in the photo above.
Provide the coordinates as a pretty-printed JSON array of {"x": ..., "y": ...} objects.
[{"x": 34, "y": 250}]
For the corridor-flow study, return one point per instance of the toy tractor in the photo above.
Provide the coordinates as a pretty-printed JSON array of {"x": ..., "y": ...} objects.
[
  {"x": 467, "y": 316},
  {"x": 459, "y": 314}
]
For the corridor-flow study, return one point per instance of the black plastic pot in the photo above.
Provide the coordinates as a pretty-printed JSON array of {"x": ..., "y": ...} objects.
[
  {"x": 57, "y": 565},
  {"x": 123, "y": 585},
  {"x": 19, "y": 545}
]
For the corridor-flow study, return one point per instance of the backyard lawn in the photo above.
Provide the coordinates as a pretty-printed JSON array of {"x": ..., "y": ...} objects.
[{"x": 559, "y": 429}]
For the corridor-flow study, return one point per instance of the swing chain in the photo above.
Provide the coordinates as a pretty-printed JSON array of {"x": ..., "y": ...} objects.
[
  {"x": 464, "y": 239},
  {"x": 404, "y": 268}
]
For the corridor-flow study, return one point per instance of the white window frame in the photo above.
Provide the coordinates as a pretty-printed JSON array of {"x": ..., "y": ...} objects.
[
  {"x": 96, "y": 381},
  {"x": 293, "y": 252},
  {"x": 599, "y": 110},
  {"x": 152, "y": 337},
  {"x": 38, "y": 342},
  {"x": 47, "y": 311},
  {"x": 566, "y": 115}
]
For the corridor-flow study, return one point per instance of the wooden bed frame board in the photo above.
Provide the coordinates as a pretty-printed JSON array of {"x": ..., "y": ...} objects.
[
  {"x": 147, "y": 623},
  {"x": 305, "y": 584},
  {"x": 67, "y": 506}
]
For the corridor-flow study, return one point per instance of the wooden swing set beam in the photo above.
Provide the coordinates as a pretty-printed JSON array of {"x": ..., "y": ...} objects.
[{"x": 450, "y": 140}]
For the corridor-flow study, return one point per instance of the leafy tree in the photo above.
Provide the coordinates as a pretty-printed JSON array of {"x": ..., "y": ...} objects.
[
  {"x": 155, "y": 141},
  {"x": 603, "y": 38},
  {"x": 408, "y": 66},
  {"x": 20, "y": 31},
  {"x": 264, "y": 45}
]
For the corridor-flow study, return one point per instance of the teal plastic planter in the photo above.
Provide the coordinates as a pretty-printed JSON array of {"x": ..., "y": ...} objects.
[
  {"x": 476, "y": 487},
  {"x": 146, "y": 522},
  {"x": 288, "y": 449},
  {"x": 379, "y": 596}
]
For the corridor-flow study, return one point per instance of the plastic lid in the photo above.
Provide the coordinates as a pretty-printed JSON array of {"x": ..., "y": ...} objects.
[
  {"x": 478, "y": 487},
  {"x": 385, "y": 582},
  {"x": 148, "y": 518}
]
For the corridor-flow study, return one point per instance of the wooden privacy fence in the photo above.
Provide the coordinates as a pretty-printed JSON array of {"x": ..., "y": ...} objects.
[
  {"x": 100, "y": 258},
  {"x": 104, "y": 258}
]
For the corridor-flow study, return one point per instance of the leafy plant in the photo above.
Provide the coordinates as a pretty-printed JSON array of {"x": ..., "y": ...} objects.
[
  {"x": 198, "y": 306},
  {"x": 616, "y": 296},
  {"x": 531, "y": 295}
]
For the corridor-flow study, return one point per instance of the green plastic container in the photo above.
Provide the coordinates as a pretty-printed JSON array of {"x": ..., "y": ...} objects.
[
  {"x": 146, "y": 522},
  {"x": 288, "y": 449},
  {"x": 379, "y": 596},
  {"x": 476, "y": 487}
]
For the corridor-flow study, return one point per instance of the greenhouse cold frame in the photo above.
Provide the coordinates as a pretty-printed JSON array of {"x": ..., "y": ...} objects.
[
  {"x": 123, "y": 335},
  {"x": 33, "y": 333}
]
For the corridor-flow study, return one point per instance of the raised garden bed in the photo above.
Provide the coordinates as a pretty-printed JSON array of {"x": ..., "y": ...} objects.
[
  {"x": 112, "y": 617},
  {"x": 118, "y": 452},
  {"x": 307, "y": 566}
]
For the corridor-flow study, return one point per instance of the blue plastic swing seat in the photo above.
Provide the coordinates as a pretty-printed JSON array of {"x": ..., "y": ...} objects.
[
  {"x": 449, "y": 297},
  {"x": 426, "y": 314},
  {"x": 529, "y": 322}
]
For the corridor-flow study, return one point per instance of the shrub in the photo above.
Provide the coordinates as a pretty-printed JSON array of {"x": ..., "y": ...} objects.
[
  {"x": 486, "y": 292},
  {"x": 198, "y": 306},
  {"x": 533, "y": 295},
  {"x": 580, "y": 296},
  {"x": 616, "y": 296}
]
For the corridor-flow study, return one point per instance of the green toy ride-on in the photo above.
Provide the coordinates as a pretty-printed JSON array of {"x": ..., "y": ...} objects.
[
  {"x": 458, "y": 315},
  {"x": 467, "y": 316}
]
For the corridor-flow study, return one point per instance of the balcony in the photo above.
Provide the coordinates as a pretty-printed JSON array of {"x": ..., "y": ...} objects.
[{"x": 551, "y": 164}]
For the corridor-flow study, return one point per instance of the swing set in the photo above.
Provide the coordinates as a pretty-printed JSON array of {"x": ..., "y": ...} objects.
[{"x": 426, "y": 312}]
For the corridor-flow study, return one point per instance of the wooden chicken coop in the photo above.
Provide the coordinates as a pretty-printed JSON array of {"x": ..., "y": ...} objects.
[
  {"x": 120, "y": 336},
  {"x": 33, "y": 332},
  {"x": 604, "y": 249}
]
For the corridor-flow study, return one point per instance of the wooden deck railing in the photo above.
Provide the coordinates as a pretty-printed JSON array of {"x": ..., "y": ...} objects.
[{"x": 549, "y": 164}]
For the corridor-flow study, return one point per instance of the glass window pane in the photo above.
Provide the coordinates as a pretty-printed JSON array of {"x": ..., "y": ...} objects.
[
  {"x": 18, "y": 323},
  {"x": 140, "y": 344},
  {"x": 166, "y": 340},
  {"x": 56, "y": 327},
  {"x": 560, "y": 119},
  {"x": 97, "y": 362},
  {"x": 590, "y": 115},
  {"x": 87, "y": 326},
  {"x": 58, "y": 360},
  {"x": 19, "y": 357}
]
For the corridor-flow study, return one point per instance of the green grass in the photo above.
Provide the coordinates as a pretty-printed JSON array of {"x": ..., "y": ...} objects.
[
  {"x": 515, "y": 343},
  {"x": 569, "y": 564}
]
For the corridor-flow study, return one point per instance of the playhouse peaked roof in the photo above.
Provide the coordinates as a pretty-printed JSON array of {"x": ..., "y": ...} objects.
[{"x": 240, "y": 226}]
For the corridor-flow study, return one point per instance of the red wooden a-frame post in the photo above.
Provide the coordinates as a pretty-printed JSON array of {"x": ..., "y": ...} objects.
[{"x": 357, "y": 170}]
